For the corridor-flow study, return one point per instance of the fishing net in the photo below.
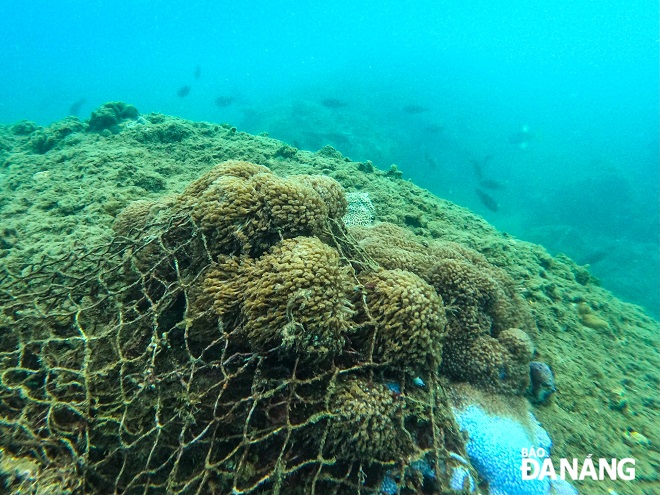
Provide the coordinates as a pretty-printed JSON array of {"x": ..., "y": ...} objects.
[{"x": 234, "y": 339}]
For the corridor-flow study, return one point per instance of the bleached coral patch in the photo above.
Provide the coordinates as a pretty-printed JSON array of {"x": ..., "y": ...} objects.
[
  {"x": 495, "y": 448},
  {"x": 360, "y": 210}
]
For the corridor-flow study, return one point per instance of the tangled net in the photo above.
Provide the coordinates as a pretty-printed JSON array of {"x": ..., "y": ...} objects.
[{"x": 234, "y": 339}]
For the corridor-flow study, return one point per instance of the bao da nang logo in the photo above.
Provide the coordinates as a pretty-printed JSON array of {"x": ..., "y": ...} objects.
[{"x": 536, "y": 465}]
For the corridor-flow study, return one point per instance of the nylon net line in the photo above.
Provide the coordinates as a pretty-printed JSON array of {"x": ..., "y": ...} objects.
[{"x": 209, "y": 351}]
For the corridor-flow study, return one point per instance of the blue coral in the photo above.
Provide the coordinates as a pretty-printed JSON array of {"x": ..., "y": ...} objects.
[
  {"x": 563, "y": 487},
  {"x": 461, "y": 479},
  {"x": 423, "y": 466},
  {"x": 495, "y": 448},
  {"x": 388, "y": 486}
]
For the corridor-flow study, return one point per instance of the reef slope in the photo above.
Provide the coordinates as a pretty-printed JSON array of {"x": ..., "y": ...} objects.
[{"x": 63, "y": 186}]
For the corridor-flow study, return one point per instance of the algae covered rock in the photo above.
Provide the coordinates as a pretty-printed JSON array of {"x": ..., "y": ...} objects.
[
  {"x": 590, "y": 319},
  {"x": 24, "y": 128},
  {"x": 42, "y": 140},
  {"x": 110, "y": 115}
]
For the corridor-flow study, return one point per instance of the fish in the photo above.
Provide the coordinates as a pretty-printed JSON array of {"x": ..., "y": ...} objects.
[
  {"x": 478, "y": 167},
  {"x": 183, "y": 91},
  {"x": 431, "y": 161},
  {"x": 75, "y": 108},
  {"x": 487, "y": 200},
  {"x": 198, "y": 72},
  {"x": 333, "y": 103},
  {"x": 415, "y": 109},
  {"x": 595, "y": 257},
  {"x": 522, "y": 138},
  {"x": 224, "y": 101},
  {"x": 491, "y": 184}
]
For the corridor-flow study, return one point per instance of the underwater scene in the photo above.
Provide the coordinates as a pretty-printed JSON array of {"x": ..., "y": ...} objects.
[{"x": 285, "y": 247}]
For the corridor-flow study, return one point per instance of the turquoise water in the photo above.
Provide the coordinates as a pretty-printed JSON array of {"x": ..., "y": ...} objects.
[{"x": 547, "y": 113}]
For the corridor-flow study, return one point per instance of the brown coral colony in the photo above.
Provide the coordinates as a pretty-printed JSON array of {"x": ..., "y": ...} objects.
[{"x": 281, "y": 275}]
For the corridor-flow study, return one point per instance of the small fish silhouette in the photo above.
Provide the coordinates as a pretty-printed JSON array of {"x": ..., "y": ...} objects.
[
  {"x": 478, "y": 171},
  {"x": 487, "y": 200},
  {"x": 595, "y": 257},
  {"x": 198, "y": 72},
  {"x": 491, "y": 184},
  {"x": 75, "y": 108},
  {"x": 333, "y": 103},
  {"x": 479, "y": 166},
  {"x": 183, "y": 91},
  {"x": 224, "y": 101},
  {"x": 430, "y": 161},
  {"x": 415, "y": 109}
]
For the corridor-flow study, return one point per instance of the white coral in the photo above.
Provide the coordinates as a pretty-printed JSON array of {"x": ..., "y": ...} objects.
[{"x": 360, "y": 210}]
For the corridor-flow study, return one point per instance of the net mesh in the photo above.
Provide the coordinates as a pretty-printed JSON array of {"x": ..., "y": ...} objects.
[{"x": 116, "y": 376}]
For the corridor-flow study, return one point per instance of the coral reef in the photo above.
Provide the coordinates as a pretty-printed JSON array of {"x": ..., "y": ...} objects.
[
  {"x": 488, "y": 341},
  {"x": 241, "y": 206},
  {"x": 109, "y": 115},
  {"x": 246, "y": 327},
  {"x": 116, "y": 364},
  {"x": 374, "y": 416},
  {"x": 330, "y": 191},
  {"x": 294, "y": 296},
  {"x": 408, "y": 316}
]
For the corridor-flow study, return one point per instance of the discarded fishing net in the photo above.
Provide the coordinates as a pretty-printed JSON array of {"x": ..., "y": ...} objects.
[{"x": 233, "y": 339}]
